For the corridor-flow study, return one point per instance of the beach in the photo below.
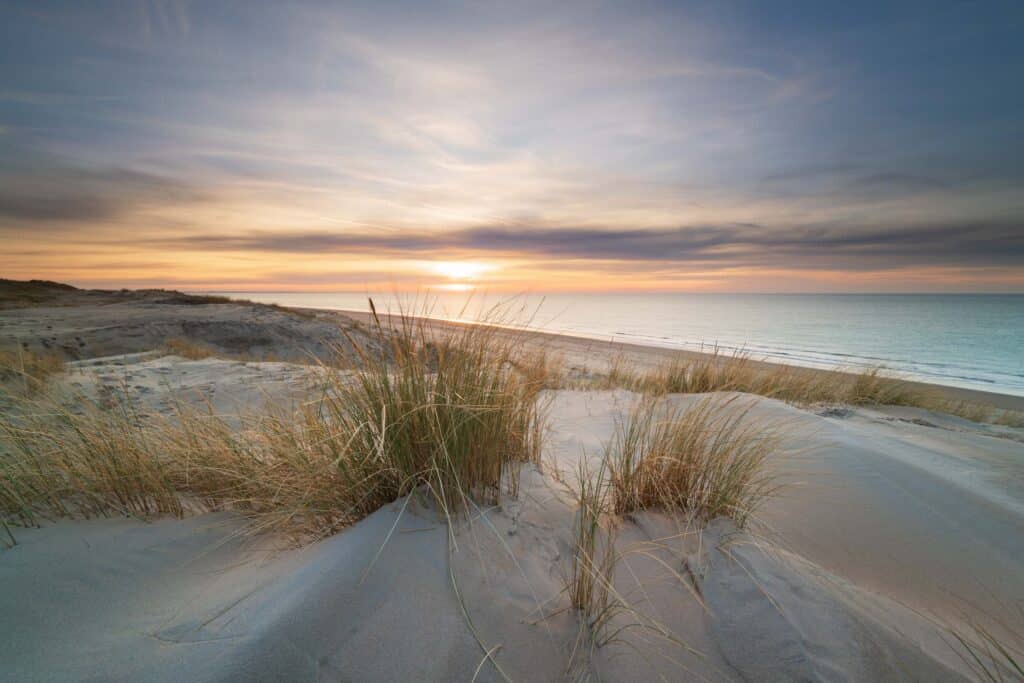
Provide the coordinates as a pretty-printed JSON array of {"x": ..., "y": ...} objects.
[
  {"x": 356, "y": 342},
  {"x": 895, "y": 528},
  {"x": 581, "y": 351},
  {"x": 960, "y": 340}
]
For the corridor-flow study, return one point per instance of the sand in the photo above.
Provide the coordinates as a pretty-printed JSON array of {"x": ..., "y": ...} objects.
[
  {"x": 79, "y": 324},
  {"x": 893, "y": 518},
  {"x": 833, "y": 582},
  {"x": 78, "y": 327},
  {"x": 589, "y": 356}
]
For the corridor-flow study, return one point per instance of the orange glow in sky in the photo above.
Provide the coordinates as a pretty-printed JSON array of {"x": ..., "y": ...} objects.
[{"x": 490, "y": 146}]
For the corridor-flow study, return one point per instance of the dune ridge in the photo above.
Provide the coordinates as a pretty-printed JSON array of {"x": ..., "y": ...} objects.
[{"x": 501, "y": 535}]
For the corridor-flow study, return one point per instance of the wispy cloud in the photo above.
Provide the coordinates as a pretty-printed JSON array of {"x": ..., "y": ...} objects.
[
  {"x": 760, "y": 138},
  {"x": 52, "y": 195},
  {"x": 738, "y": 245}
]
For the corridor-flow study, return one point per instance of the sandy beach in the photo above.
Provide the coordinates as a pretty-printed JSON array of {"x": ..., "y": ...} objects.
[
  {"x": 895, "y": 525},
  {"x": 596, "y": 354},
  {"x": 360, "y": 342}
]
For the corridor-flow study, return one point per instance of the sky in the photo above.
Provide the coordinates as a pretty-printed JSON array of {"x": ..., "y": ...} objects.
[{"x": 514, "y": 146}]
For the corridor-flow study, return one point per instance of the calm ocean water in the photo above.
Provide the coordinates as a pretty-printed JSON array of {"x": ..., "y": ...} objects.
[{"x": 970, "y": 340}]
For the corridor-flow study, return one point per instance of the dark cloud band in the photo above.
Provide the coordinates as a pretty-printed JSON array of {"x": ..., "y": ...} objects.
[{"x": 989, "y": 243}]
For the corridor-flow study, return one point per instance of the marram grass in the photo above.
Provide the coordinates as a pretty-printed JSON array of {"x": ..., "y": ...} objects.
[
  {"x": 717, "y": 372},
  {"x": 451, "y": 412},
  {"x": 705, "y": 461}
]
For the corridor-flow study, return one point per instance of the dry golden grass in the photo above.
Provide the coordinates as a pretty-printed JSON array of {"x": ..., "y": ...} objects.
[
  {"x": 604, "y": 611},
  {"x": 591, "y": 583},
  {"x": 593, "y": 559},
  {"x": 1010, "y": 418},
  {"x": 179, "y": 346},
  {"x": 706, "y": 461},
  {"x": 968, "y": 410},
  {"x": 61, "y": 458},
  {"x": 981, "y": 413},
  {"x": 873, "y": 387},
  {"x": 716, "y": 372},
  {"x": 802, "y": 386},
  {"x": 446, "y": 404},
  {"x": 703, "y": 462},
  {"x": 452, "y": 414},
  {"x": 28, "y": 370}
]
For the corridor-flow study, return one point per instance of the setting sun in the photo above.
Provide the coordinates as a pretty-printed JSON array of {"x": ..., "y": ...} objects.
[{"x": 460, "y": 270}]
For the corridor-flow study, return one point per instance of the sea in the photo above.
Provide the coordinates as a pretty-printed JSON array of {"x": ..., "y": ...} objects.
[{"x": 974, "y": 341}]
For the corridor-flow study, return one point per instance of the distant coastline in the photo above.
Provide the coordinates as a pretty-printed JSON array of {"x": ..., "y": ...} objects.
[
  {"x": 644, "y": 356},
  {"x": 966, "y": 341}
]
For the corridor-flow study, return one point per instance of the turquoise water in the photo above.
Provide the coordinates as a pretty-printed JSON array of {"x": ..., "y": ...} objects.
[{"x": 969, "y": 340}]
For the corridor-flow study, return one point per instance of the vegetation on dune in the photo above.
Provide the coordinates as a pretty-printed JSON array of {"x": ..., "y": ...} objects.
[
  {"x": 603, "y": 611},
  {"x": 738, "y": 372},
  {"x": 594, "y": 558},
  {"x": 82, "y": 459},
  {"x": 179, "y": 346},
  {"x": 706, "y": 460},
  {"x": 989, "y": 657},
  {"x": 29, "y": 371},
  {"x": 449, "y": 412},
  {"x": 590, "y": 585},
  {"x": 873, "y": 387},
  {"x": 450, "y": 408},
  {"x": 718, "y": 372}
]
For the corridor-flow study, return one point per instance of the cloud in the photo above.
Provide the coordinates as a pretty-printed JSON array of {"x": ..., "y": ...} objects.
[
  {"x": 577, "y": 132},
  {"x": 59, "y": 194},
  {"x": 995, "y": 243},
  {"x": 56, "y": 208}
]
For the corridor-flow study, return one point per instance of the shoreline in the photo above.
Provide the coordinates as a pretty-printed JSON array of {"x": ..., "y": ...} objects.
[
  {"x": 648, "y": 357},
  {"x": 871, "y": 532}
]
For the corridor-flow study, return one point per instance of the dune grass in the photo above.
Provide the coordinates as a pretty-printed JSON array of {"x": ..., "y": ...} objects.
[
  {"x": 28, "y": 370},
  {"x": 449, "y": 406},
  {"x": 1009, "y": 418},
  {"x": 81, "y": 460},
  {"x": 702, "y": 462},
  {"x": 989, "y": 657},
  {"x": 178, "y": 346},
  {"x": 593, "y": 558},
  {"x": 872, "y": 387},
  {"x": 707, "y": 460},
  {"x": 451, "y": 413},
  {"x": 591, "y": 582},
  {"x": 977, "y": 412},
  {"x": 719, "y": 372},
  {"x": 716, "y": 371}
]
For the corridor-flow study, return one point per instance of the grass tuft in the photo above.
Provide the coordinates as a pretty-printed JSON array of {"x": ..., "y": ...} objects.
[
  {"x": 447, "y": 407},
  {"x": 706, "y": 461},
  {"x": 1010, "y": 418},
  {"x": 989, "y": 657},
  {"x": 872, "y": 387},
  {"x": 185, "y": 348},
  {"x": 451, "y": 411},
  {"x": 62, "y": 458},
  {"x": 717, "y": 372},
  {"x": 28, "y": 370},
  {"x": 594, "y": 558}
]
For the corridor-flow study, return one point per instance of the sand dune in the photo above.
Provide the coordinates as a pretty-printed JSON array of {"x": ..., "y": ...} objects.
[
  {"x": 894, "y": 522},
  {"x": 83, "y": 324},
  {"x": 827, "y": 585}
]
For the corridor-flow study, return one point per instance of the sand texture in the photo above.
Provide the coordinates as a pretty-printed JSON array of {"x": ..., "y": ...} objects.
[
  {"x": 82, "y": 324},
  {"x": 885, "y": 523},
  {"x": 893, "y": 523}
]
